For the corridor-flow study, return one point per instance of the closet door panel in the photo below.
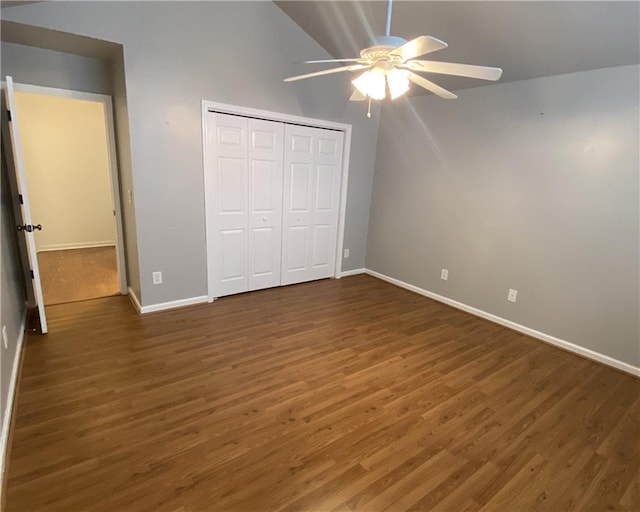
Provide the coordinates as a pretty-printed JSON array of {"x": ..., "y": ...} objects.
[
  {"x": 296, "y": 255},
  {"x": 232, "y": 182},
  {"x": 326, "y": 202},
  {"x": 266, "y": 147},
  {"x": 227, "y": 190},
  {"x": 300, "y": 188},
  {"x": 296, "y": 203},
  {"x": 313, "y": 159},
  {"x": 321, "y": 245},
  {"x": 262, "y": 242},
  {"x": 233, "y": 244},
  {"x": 325, "y": 213}
]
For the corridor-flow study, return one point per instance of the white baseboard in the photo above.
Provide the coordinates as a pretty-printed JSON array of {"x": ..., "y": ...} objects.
[
  {"x": 174, "y": 304},
  {"x": 134, "y": 300},
  {"x": 162, "y": 306},
  {"x": 353, "y": 272},
  {"x": 567, "y": 345},
  {"x": 8, "y": 410},
  {"x": 83, "y": 245}
]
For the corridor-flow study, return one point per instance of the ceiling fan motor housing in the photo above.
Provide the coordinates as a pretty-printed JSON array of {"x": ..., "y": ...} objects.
[{"x": 379, "y": 52}]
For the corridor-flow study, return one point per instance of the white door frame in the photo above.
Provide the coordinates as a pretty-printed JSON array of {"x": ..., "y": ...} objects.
[
  {"x": 225, "y": 108},
  {"x": 106, "y": 102}
]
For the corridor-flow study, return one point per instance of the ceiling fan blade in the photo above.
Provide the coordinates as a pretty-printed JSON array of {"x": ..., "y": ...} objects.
[
  {"x": 430, "y": 86},
  {"x": 453, "y": 68},
  {"x": 418, "y": 46},
  {"x": 357, "y": 96},
  {"x": 354, "y": 67},
  {"x": 331, "y": 60}
]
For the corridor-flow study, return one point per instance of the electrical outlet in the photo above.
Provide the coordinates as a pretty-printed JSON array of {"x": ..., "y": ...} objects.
[
  {"x": 346, "y": 253},
  {"x": 157, "y": 278},
  {"x": 444, "y": 274},
  {"x": 5, "y": 338},
  {"x": 513, "y": 295}
]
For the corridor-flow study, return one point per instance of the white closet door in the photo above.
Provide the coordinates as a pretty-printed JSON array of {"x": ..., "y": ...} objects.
[
  {"x": 266, "y": 151},
  {"x": 228, "y": 193},
  {"x": 244, "y": 189},
  {"x": 312, "y": 163}
]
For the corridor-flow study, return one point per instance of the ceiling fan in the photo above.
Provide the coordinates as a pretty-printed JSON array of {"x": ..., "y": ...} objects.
[{"x": 391, "y": 63}]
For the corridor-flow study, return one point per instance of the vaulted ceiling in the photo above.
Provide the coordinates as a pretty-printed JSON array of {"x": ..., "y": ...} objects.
[{"x": 526, "y": 39}]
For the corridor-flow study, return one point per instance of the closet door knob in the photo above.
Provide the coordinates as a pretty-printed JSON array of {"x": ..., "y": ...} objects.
[{"x": 264, "y": 219}]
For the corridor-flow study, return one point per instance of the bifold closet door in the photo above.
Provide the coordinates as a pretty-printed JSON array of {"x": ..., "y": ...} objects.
[
  {"x": 266, "y": 166},
  {"x": 244, "y": 188},
  {"x": 312, "y": 170}
]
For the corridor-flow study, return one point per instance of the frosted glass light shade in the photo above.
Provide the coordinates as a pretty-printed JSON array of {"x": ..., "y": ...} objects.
[
  {"x": 398, "y": 80},
  {"x": 372, "y": 83}
]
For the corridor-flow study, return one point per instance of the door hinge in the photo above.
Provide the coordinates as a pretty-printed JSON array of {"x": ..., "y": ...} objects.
[
  {"x": 9, "y": 114},
  {"x": 32, "y": 274},
  {"x": 20, "y": 199}
]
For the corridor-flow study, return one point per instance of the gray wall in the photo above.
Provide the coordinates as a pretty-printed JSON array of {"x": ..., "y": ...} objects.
[
  {"x": 36, "y": 66},
  {"x": 12, "y": 293},
  {"x": 530, "y": 185},
  {"x": 177, "y": 54}
]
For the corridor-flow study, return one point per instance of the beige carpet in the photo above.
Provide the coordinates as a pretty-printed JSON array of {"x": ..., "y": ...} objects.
[{"x": 78, "y": 274}]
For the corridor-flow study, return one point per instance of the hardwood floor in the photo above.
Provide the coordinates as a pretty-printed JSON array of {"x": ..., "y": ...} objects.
[
  {"x": 334, "y": 395},
  {"x": 78, "y": 274}
]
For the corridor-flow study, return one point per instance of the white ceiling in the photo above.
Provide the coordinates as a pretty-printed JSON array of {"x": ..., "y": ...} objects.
[{"x": 526, "y": 39}]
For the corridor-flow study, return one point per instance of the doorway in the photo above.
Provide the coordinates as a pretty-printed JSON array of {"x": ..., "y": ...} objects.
[{"x": 68, "y": 151}]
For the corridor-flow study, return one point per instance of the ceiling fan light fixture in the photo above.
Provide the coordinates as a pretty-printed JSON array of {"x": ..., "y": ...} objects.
[
  {"x": 392, "y": 63},
  {"x": 398, "y": 80},
  {"x": 372, "y": 83}
]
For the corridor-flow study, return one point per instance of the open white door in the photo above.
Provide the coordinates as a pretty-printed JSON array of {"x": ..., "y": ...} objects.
[{"x": 27, "y": 228}]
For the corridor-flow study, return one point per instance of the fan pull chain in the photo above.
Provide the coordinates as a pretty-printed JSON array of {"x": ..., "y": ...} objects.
[{"x": 369, "y": 111}]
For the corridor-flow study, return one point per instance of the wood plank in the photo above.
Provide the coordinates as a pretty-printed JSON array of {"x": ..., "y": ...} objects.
[{"x": 342, "y": 395}]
